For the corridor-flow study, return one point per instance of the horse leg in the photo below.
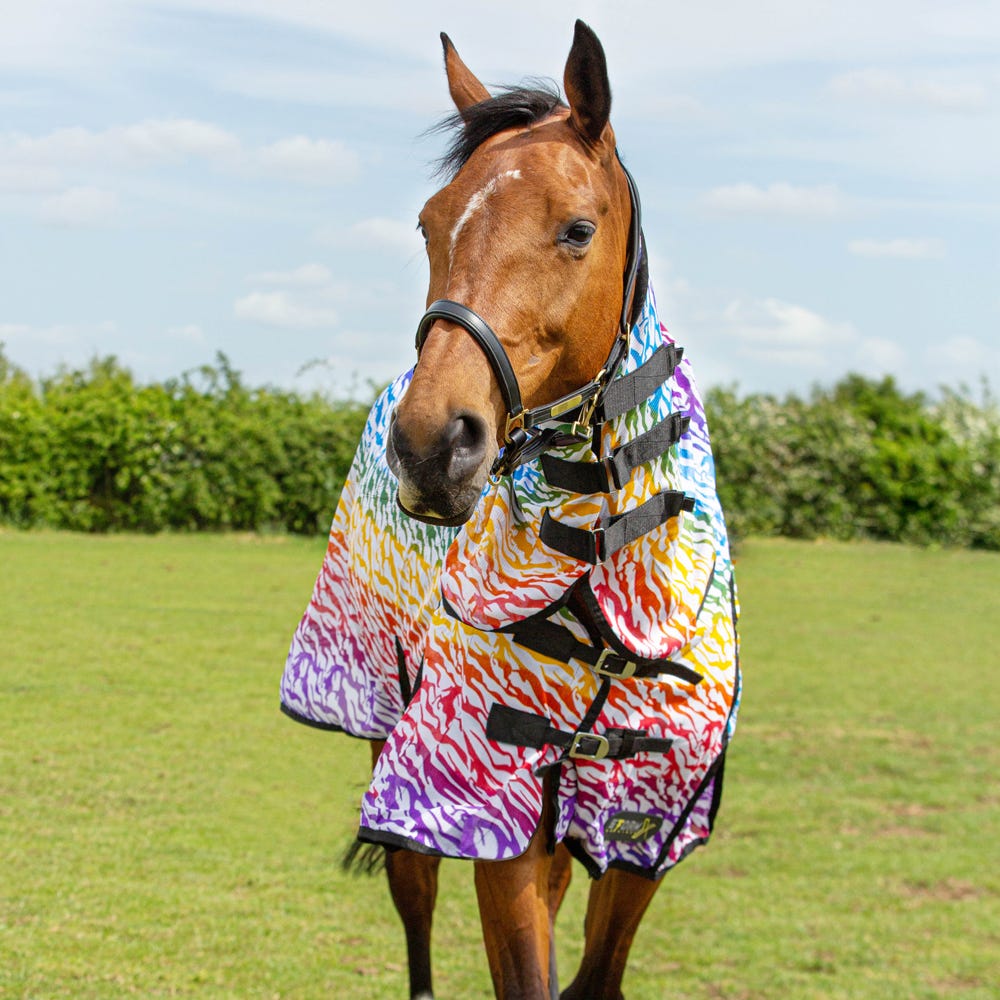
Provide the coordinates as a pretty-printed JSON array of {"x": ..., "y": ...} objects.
[
  {"x": 560, "y": 873},
  {"x": 413, "y": 882},
  {"x": 616, "y": 905},
  {"x": 514, "y": 909}
]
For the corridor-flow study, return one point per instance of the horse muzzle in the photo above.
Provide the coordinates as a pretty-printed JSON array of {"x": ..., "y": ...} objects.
[{"x": 440, "y": 480}]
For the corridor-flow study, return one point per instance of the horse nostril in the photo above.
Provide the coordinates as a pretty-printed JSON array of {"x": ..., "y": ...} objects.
[{"x": 465, "y": 444}]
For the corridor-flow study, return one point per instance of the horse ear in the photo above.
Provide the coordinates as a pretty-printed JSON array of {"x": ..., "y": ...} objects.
[
  {"x": 586, "y": 83},
  {"x": 463, "y": 85}
]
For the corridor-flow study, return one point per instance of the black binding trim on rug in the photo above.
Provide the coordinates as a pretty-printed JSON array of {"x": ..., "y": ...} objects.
[
  {"x": 395, "y": 841},
  {"x": 714, "y": 768},
  {"x": 327, "y": 727}
]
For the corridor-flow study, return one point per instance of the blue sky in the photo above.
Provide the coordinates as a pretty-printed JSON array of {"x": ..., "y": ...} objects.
[{"x": 821, "y": 182}]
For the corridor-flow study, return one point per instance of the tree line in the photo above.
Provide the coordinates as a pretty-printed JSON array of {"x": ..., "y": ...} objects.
[{"x": 94, "y": 450}]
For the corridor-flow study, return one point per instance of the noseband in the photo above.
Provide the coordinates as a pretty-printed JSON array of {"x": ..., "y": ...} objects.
[{"x": 523, "y": 437}]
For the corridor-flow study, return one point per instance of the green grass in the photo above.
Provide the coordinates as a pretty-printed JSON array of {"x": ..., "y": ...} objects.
[{"x": 164, "y": 831}]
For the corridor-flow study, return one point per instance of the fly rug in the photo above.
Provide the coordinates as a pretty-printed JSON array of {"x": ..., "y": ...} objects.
[{"x": 551, "y": 669}]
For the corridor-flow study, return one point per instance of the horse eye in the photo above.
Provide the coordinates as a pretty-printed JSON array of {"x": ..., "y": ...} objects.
[
  {"x": 422, "y": 231},
  {"x": 579, "y": 234}
]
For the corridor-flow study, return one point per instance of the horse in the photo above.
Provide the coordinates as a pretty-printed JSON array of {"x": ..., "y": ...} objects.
[{"x": 527, "y": 602}]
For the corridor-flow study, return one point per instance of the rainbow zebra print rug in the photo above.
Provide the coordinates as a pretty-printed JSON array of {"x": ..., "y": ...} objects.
[{"x": 458, "y": 647}]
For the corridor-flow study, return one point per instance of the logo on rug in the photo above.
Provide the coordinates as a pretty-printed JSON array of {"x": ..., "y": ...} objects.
[{"x": 631, "y": 826}]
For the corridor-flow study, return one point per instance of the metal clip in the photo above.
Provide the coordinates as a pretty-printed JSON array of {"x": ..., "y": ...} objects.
[
  {"x": 581, "y": 426},
  {"x": 515, "y": 422},
  {"x": 601, "y": 747}
]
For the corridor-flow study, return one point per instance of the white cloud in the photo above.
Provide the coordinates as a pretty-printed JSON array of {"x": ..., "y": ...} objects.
[
  {"x": 688, "y": 37},
  {"x": 81, "y": 207},
  {"x": 314, "y": 161},
  {"x": 903, "y": 249},
  {"x": 164, "y": 142},
  {"x": 306, "y": 276},
  {"x": 171, "y": 139},
  {"x": 146, "y": 142},
  {"x": 282, "y": 310},
  {"x": 890, "y": 88},
  {"x": 785, "y": 333},
  {"x": 780, "y": 199}
]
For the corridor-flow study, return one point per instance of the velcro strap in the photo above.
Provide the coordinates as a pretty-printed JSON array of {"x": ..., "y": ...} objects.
[
  {"x": 627, "y": 391},
  {"x": 525, "y": 729},
  {"x": 558, "y": 643},
  {"x": 613, "y": 472},
  {"x": 595, "y": 546}
]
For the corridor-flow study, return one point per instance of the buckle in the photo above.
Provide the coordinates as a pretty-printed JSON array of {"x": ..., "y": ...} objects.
[
  {"x": 515, "y": 422},
  {"x": 627, "y": 668},
  {"x": 600, "y": 744}
]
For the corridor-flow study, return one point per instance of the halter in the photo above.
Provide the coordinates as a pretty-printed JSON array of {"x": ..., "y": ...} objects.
[{"x": 523, "y": 439}]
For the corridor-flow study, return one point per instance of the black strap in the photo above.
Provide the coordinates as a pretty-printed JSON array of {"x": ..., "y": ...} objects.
[
  {"x": 483, "y": 335},
  {"x": 613, "y": 472},
  {"x": 595, "y": 546},
  {"x": 525, "y": 729},
  {"x": 557, "y": 643},
  {"x": 407, "y": 690},
  {"x": 627, "y": 391}
]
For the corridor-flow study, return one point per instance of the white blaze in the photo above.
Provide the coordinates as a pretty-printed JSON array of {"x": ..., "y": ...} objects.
[{"x": 475, "y": 203}]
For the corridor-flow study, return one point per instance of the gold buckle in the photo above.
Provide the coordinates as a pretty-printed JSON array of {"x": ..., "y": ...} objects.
[
  {"x": 603, "y": 747},
  {"x": 628, "y": 667}
]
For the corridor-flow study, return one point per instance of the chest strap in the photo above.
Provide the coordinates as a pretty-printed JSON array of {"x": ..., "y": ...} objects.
[
  {"x": 557, "y": 643},
  {"x": 525, "y": 729},
  {"x": 612, "y": 473},
  {"x": 594, "y": 546},
  {"x": 627, "y": 391}
]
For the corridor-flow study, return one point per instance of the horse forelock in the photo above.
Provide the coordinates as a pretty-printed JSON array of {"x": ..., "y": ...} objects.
[{"x": 512, "y": 107}]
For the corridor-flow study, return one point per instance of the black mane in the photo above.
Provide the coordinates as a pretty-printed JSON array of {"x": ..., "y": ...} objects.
[{"x": 511, "y": 108}]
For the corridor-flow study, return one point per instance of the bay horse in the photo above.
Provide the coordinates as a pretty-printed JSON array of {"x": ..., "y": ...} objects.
[{"x": 527, "y": 602}]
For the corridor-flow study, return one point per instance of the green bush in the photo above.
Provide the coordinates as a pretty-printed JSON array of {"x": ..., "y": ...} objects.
[
  {"x": 860, "y": 460},
  {"x": 92, "y": 450}
]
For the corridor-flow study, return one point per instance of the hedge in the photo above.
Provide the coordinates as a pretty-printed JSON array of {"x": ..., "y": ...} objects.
[
  {"x": 860, "y": 460},
  {"x": 94, "y": 450}
]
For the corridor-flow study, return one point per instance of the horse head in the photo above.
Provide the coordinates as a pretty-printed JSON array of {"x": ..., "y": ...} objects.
[{"x": 527, "y": 245}]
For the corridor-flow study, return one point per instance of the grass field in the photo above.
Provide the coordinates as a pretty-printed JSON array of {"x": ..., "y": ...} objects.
[{"x": 164, "y": 831}]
